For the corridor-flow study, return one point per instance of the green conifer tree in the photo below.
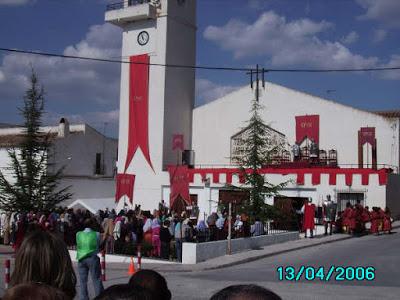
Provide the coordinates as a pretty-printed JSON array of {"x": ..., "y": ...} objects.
[
  {"x": 258, "y": 151},
  {"x": 32, "y": 186}
]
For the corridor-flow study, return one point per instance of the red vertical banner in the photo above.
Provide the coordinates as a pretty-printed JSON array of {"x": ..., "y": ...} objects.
[
  {"x": 179, "y": 183},
  {"x": 300, "y": 178},
  {"x": 125, "y": 184},
  {"x": 177, "y": 142},
  {"x": 367, "y": 135},
  {"x": 138, "y": 133},
  {"x": 307, "y": 127}
]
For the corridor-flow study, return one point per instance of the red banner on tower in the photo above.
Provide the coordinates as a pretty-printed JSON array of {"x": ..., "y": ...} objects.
[
  {"x": 179, "y": 180},
  {"x": 177, "y": 142},
  {"x": 138, "y": 133},
  {"x": 125, "y": 184},
  {"x": 307, "y": 127}
]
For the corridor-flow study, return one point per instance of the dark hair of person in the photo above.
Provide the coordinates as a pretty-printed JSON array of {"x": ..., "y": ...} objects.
[
  {"x": 348, "y": 204},
  {"x": 244, "y": 292},
  {"x": 43, "y": 258},
  {"x": 34, "y": 291},
  {"x": 152, "y": 281},
  {"x": 125, "y": 292}
]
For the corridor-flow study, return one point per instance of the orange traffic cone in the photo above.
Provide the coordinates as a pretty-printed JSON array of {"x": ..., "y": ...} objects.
[{"x": 131, "y": 269}]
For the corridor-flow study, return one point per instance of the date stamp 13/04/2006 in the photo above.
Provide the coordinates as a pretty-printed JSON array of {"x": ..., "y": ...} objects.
[{"x": 337, "y": 273}]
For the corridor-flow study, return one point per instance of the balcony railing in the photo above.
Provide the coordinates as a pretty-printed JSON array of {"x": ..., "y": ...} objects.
[{"x": 123, "y": 4}]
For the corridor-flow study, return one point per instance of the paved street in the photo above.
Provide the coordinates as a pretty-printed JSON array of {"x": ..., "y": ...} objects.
[{"x": 381, "y": 252}]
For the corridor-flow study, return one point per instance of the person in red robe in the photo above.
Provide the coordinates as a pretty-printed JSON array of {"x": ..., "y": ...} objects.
[
  {"x": 366, "y": 218},
  {"x": 348, "y": 218},
  {"x": 359, "y": 224},
  {"x": 381, "y": 219},
  {"x": 387, "y": 221},
  {"x": 375, "y": 220},
  {"x": 308, "y": 219},
  {"x": 21, "y": 227}
]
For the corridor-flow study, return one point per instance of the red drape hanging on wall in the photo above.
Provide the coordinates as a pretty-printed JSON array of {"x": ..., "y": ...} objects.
[
  {"x": 367, "y": 135},
  {"x": 179, "y": 181},
  {"x": 138, "y": 134},
  {"x": 125, "y": 184},
  {"x": 307, "y": 126}
]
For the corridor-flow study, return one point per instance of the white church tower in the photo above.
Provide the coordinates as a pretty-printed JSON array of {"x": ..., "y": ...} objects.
[{"x": 156, "y": 102}]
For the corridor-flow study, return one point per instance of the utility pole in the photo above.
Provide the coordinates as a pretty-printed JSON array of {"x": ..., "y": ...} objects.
[
  {"x": 102, "y": 169},
  {"x": 230, "y": 229},
  {"x": 257, "y": 72}
]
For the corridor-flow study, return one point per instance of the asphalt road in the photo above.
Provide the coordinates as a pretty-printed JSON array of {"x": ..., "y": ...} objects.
[{"x": 381, "y": 252}]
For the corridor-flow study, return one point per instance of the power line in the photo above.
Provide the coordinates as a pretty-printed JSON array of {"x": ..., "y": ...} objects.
[
  {"x": 248, "y": 70},
  {"x": 123, "y": 61}
]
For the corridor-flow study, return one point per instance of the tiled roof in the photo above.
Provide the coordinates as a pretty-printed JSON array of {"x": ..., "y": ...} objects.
[
  {"x": 14, "y": 140},
  {"x": 389, "y": 113},
  {"x": 5, "y": 125}
]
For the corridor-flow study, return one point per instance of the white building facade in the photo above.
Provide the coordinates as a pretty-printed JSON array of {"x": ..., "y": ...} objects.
[
  {"x": 156, "y": 106},
  {"x": 88, "y": 157}
]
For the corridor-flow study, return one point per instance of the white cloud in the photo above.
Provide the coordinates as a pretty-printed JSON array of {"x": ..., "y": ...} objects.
[
  {"x": 2, "y": 77},
  {"x": 394, "y": 62},
  {"x": 285, "y": 42},
  {"x": 207, "y": 91},
  {"x": 70, "y": 80},
  {"x": 16, "y": 2},
  {"x": 378, "y": 35},
  {"x": 351, "y": 38},
  {"x": 71, "y": 85},
  {"x": 384, "y": 11}
]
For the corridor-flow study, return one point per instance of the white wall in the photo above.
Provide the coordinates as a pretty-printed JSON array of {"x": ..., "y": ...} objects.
[
  {"x": 339, "y": 124},
  {"x": 88, "y": 188},
  {"x": 77, "y": 152}
]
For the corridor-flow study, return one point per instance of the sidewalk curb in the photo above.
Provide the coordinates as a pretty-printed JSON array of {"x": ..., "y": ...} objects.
[
  {"x": 253, "y": 258},
  {"x": 261, "y": 256}
]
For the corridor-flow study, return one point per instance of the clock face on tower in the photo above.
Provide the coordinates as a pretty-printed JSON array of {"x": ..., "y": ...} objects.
[{"x": 143, "y": 38}]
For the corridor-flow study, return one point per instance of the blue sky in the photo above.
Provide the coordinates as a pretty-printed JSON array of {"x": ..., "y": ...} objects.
[{"x": 277, "y": 34}]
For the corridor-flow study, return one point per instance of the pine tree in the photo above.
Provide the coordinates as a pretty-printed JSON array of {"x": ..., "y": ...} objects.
[
  {"x": 32, "y": 186},
  {"x": 259, "y": 148}
]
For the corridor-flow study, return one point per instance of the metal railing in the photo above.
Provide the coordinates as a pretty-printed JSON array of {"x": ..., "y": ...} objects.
[
  {"x": 120, "y": 5},
  {"x": 214, "y": 234},
  {"x": 343, "y": 166}
]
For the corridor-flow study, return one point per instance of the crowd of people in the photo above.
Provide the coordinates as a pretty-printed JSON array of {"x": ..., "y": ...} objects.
[
  {"x": 159, "y": 234},
  {"x": 43, "y": 270},
  {"x": 354, "y": 219},
  {"x": 361, "y": 220}
]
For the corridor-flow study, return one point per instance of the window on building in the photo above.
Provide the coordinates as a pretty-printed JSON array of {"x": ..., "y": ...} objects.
[
  {"x": 98, "y": 167},
  {"x": 343, "y": 198}
]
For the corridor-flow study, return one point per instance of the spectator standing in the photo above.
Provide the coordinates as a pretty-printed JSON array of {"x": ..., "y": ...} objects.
[
  {"x": 165, "y": 238},
  {"x": 88, "y": 245},
  {"x": 178, "y": 240},
  {"x": 155, "y": 238},
  {"x": 258, "y": 228}
]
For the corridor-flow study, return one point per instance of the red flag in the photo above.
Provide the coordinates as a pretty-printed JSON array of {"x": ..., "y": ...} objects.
[
  {"x": 307, "y": 127},
  {"x": 177, "y": 141},
  {"x": 138, "y": 136},
  {"x": 367, "y": 135},
  {"x": 125, "y": 184},
  {"x": 179, "y": 180}
]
